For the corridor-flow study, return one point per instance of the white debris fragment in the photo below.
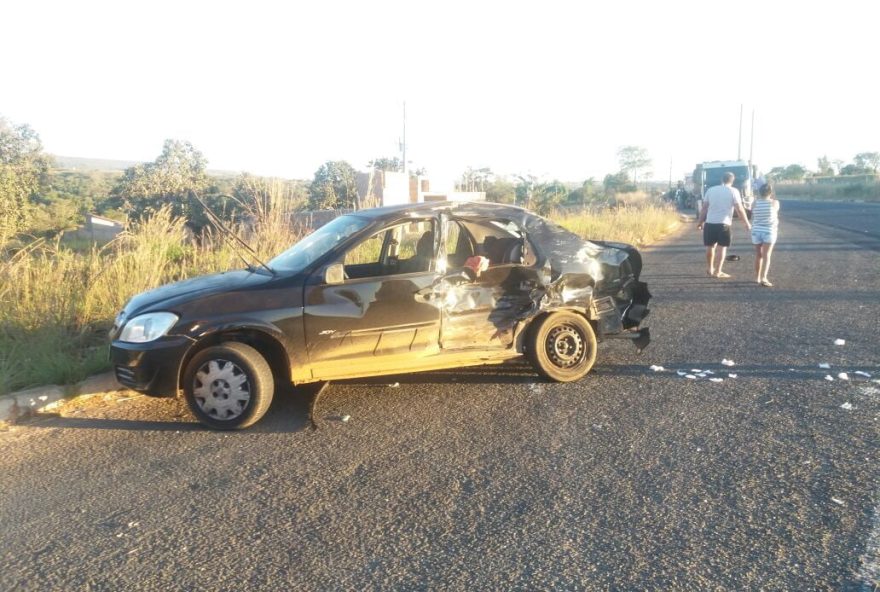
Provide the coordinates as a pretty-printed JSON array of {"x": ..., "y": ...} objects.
[
  {"x": 691, "y": 376},
  {"x": 680, "y": 372},
  {"x": 695, "y": 370},
  {"x": 843, "y": 376},
  {"x": 133, "y": 524},
  {"x": 848, "y": 406},
  {"x": 825, "y": 366},
  {"x": 394, "y": 385},
  {"x": 731, "y": 375},
  {"x": 702, "y": 375},
  {"x": 658, "y": 368},
  {"x": 717, "y": 379},
  {"x": 839, "y": 341},
  {"x": 829, "y": 378},
  {"x": 727, "y": 362},
  {"x": 862, "y": 373},
  {"x": 708, "y": 372},
  {"x": 345, "y": 418},
  {"x": 839, "y": 502}
]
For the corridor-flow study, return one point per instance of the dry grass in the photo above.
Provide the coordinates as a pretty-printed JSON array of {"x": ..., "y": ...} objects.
[
  {"x": 57, "y": 304},
  {"x": 636, "y": 225}
]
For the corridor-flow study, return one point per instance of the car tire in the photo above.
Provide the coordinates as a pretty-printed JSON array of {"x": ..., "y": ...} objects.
[
  {"x": 562, "y": 346},
  {"x": 228, "y": 386}
]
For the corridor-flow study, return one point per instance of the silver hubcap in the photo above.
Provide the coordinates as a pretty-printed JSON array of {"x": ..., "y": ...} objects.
[
  {"x": 565, "y": 346},
  {"x": 221, "y": 389}
]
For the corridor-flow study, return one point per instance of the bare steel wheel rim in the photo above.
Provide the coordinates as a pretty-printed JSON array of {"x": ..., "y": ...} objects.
[
  {"x": 221, "y": 389},
  {"x": 565, "y": 346}
]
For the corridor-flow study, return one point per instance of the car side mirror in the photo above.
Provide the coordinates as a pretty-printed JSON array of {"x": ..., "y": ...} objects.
[{"x": 334, "y": 274}]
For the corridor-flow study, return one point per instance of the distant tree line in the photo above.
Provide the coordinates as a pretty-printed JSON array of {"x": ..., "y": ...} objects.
[
  {"x": 863, "y": 163},
  {"x": 36, "y": 197}
]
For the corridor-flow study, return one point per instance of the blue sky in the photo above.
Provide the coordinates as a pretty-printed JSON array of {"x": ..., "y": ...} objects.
[{"x": 552, "y": 88}]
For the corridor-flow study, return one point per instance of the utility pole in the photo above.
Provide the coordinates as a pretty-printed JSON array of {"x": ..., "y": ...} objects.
[
  {"x": 403, "y": 144},
  {"x": 752, "y": 141},
  {"x": 740, "y": 141}
]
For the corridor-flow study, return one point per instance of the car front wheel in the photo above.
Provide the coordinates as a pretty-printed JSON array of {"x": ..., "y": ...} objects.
[
  {"x": 228, "y": 386},
  {"x": 562, "y": 346}
]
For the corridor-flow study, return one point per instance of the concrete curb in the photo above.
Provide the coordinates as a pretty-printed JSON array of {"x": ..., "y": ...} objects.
[{"x": 25, "y": 403}]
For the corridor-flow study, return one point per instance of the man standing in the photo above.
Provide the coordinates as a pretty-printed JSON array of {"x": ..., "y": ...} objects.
[{"x": 715, "y": 219}]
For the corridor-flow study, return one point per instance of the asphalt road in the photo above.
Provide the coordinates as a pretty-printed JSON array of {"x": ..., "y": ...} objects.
[{"x": 489, "y": 478}]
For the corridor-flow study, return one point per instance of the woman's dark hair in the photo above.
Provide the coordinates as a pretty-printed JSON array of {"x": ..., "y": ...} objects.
[{"x": 766, "y": 190}]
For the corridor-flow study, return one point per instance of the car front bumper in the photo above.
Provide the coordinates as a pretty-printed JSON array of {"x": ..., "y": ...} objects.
[{"x": 151, "y": 368}]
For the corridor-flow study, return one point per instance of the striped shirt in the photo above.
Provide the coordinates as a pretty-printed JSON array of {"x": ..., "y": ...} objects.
[{"x": 764, "y": 216}]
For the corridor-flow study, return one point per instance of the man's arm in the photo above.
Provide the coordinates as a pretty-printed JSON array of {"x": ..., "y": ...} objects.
[{"x": 702, "y": 216}]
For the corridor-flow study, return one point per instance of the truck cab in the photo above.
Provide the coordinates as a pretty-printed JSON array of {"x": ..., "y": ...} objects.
[{"x": 709, "y": 174}]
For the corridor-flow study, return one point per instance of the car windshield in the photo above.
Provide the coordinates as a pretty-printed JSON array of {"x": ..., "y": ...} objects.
[
  {"x": 301, "y": 254},
  {"x": 714, "y": 176}
]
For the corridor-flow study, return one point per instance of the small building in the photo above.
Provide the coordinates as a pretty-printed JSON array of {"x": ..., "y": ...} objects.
[{"x": 387, "y": 188}]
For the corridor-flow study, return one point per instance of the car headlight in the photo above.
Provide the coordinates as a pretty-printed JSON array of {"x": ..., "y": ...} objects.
[{"x": 147, "y": 327}]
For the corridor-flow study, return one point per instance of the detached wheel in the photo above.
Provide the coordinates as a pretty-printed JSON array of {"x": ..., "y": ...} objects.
[
  {"x": 562, "y": 346},
  {"x": 228, "y": 386}
]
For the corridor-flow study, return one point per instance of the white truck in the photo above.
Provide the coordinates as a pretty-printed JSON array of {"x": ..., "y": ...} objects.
[{"x": 708, "y": 174}]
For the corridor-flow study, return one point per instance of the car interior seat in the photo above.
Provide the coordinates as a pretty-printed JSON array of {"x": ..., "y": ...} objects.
[{"x": 421, "y": 261}]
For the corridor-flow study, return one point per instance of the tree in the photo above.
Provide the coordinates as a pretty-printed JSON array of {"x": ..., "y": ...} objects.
[
  {"x": 824, "y": 168},
  {"x": 501, "y": 190},
  {"x": 617, "y": 183},
  {"x": 167, "y": 180},
  {"x": 795, "y": 172},
  {"x": 334, "y": 186},
  {"x": 633, "y": 159},
  {"x": 394, "y": 165},
  {"x": 867, "y": 161},
  {"x": 23, "y": 172},
  {"x": 549, "y": 196},
  {"x": 587, "y": 193},
  {"x": 476, "y": 179},
  {"x": 525, "y": 189}
]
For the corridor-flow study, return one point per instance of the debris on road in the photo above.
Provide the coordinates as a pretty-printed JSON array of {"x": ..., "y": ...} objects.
[
  {"x": 394, "y": 385},
  {"x": 345, "y": 418},
  {"x": 839, "y": 341},
  {"x": 727, "y": 362},
  {"x": 837, "y": 501},
  {"x": 825, "y": 366},
  {"x": 843, "y": 376},
  {"x": 658, "y": 368},
  {"x": 691, "y": 376},
  {"x": 731, "y": 375},
  {"x": 829, "y": 377},
  {"x": 848, "y": 406},
  {"x": 862, "y": 373},
  {"x": 717, "y": 379}
]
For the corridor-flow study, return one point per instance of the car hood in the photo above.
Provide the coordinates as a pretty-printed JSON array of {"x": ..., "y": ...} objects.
[{"x": 169, "y": 296}]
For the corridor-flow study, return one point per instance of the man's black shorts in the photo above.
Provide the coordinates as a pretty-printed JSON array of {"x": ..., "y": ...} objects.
[{"x": 716, "y": 234}]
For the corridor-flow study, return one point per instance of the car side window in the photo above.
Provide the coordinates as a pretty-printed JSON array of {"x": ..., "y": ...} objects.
[
  {"x": 500, "y": 241},
  {"x": 458, "y": 245},
  {"x": 402, "y": 248}
]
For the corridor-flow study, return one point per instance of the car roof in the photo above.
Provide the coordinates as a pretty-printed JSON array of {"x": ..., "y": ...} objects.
[{"x": 464, "y": 208}]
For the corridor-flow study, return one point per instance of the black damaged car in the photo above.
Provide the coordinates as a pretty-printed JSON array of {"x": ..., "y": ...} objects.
[{"x": 383, "y": 291}]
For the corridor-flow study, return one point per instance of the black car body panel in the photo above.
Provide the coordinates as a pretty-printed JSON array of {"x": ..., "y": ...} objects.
[{"x": 412, "y": 305}]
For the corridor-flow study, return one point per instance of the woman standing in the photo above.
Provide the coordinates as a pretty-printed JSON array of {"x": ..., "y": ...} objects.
[{"x": 765, "y": 223}]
